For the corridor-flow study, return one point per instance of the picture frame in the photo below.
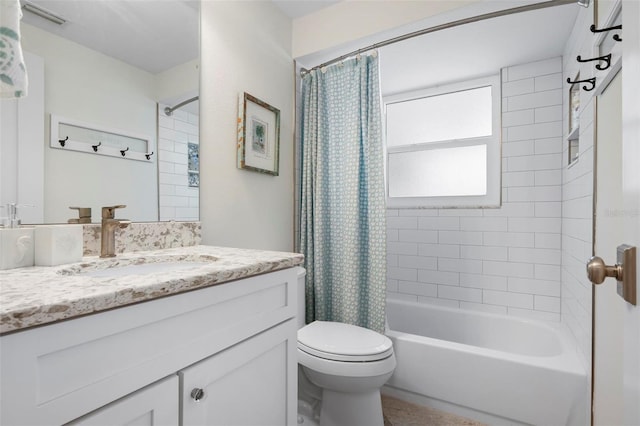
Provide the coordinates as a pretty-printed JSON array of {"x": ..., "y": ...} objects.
[{"x": 258, "y": 135}]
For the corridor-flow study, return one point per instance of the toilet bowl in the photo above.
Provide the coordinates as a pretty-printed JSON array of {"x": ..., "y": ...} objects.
[
  {"x": 341, "y": 369},
  {"x": 349, "y": 364}
]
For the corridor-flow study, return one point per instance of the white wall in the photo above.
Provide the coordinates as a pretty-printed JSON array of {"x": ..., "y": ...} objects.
[
  {"x": 180, "y": 82},
  {"x": 245, "y": 47},
  {"x": 80, "y": 84},
  {"x": 577, "y": 196},
  {"x": 504, "y": 260},
  {"x": 347, "y": 21}
]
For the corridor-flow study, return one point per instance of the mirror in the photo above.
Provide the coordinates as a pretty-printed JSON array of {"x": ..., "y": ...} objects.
[{"x": 116, "y": 66}]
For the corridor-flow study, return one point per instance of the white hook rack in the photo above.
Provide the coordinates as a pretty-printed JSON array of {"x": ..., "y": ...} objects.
[{"x": 79, "y": 136}]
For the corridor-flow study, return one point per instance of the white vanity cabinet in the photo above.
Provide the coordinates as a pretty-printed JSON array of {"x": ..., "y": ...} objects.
[
  {"x": 140, "y": 364},
  {"x": 244, "y": 385},
  {"x": 155, "y": 405}
]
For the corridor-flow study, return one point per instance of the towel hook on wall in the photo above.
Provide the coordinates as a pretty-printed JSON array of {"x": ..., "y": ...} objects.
[
  {"x": 123, "y": 151},
  {"x": 616, "y": 37},
  {"x": 95, "y": 147},
  {"x": 62, "y": 142},
  {"x": 591, "y": 81},
  {"x": 605, "y": 58}
]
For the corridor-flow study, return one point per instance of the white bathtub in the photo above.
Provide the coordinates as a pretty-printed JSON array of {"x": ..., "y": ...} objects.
[{"x": 495, "y": 366}]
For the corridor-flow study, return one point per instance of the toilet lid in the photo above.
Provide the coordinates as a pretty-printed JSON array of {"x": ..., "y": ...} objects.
[{"x": 343, "y": 342}]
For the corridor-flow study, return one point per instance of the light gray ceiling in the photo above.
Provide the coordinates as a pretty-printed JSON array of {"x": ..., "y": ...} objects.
[
  {"x": 298, "y": 8},
  {"x": 152, "y": 35},
  {"x": 156, "y": 35}
]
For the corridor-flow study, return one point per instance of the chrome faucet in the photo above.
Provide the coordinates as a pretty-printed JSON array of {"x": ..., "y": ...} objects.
[{"x": 109, "y": 225}]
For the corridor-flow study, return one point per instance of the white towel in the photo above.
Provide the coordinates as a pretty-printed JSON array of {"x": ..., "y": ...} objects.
[{"x": 13, "y": 72}]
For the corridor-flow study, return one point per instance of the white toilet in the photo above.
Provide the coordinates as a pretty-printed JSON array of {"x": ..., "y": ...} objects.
[{"x": 346, "y": 365}]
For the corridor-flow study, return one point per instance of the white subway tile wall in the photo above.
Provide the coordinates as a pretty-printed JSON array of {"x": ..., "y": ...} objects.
[
  {"x": 505, "y": 260},
  {"x": 178, "y": 201},
  {"x": 577, "y": 213}
]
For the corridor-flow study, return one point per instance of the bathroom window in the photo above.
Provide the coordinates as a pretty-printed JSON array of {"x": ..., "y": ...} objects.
[{"x": 443, "y": 146}]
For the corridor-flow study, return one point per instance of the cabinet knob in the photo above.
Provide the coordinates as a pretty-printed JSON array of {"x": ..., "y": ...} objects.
[{"x": 197, "y": 394}]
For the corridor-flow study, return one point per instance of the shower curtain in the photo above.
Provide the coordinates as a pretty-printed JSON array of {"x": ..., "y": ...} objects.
[
  {"x": 342, "y": 211},
  {"x": 13, "y": 72}
]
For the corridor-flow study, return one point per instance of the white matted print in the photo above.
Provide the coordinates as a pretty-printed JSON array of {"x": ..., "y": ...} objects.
[
  {"x": 259, "y": 143},
  {"x": 258, "y": 135}
]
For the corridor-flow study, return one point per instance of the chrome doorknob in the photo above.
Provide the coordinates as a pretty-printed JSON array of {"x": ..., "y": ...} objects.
[
  {"x": 597, "y": 270},
  {"x": 197, "y": 394}
]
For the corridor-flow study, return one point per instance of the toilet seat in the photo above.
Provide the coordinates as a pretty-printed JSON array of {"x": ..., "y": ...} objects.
[{"x": 343, "y": 342}]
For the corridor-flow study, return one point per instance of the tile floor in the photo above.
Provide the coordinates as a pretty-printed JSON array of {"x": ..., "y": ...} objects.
[{"x": 401, "y": 413}]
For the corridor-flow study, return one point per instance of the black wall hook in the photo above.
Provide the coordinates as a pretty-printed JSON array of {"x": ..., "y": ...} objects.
[
  {"x": 149, "y": 155},
  {"x": 123, "y": 151},
  {"x": 616, "y": 37},
  {"x": 95, "y": 147},
  {"x": 601, "y": 30},
  {"x": 591, "y": 81},
  {"x": 62, "y": 142},
  {"x": 606, "y": 59}
]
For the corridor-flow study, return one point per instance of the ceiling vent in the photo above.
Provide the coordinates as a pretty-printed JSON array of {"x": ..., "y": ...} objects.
[{"x": 43, "y": 13}]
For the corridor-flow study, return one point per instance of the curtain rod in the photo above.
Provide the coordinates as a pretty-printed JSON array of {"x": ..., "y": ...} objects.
[
  {"x": 497, "y": 14},
  {"x": 169, "y": 111}
]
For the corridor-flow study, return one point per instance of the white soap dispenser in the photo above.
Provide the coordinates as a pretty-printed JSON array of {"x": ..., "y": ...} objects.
[{"x": 16, "y": 242}]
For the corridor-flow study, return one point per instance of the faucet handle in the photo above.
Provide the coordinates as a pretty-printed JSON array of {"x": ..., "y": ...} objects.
[
  {"x": 84, "y": 215},
  {"x": 110, "y": 212}
]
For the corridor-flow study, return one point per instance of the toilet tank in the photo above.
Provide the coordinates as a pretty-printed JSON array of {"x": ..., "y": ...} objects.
[{"x": 301, "y": 298}]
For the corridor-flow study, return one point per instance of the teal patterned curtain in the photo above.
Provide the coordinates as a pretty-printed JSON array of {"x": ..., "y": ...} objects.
[
  {"x": 342, "y": 212},
  {"x": 13, "y": 73}
]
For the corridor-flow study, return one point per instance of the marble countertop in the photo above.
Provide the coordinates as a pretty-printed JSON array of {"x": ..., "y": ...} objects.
[{"x": 45, "y": 294}]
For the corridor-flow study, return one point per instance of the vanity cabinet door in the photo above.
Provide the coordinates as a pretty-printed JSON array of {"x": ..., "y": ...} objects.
[
  {"x": 251, "y": 383},
  {"x": 155, "y": 405}
]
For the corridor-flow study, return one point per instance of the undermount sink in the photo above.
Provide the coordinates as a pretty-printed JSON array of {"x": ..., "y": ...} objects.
[{"x": 144, "y": 265}]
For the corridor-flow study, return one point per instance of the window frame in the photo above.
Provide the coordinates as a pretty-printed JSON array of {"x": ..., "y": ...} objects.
[{"x": 493, "y": 197}]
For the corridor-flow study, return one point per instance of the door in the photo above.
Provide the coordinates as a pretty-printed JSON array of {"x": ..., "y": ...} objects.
[
  {"x": 608, "y": 307},
  {"x": 628, "y": 219},
  {"x": 251, "y": 383},
  {"x": 155, "y": 405},
  {"x": 631, "y": 197}
]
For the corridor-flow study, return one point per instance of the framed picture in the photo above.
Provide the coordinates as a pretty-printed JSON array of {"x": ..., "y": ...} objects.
[{"x": 258, "y": 135}]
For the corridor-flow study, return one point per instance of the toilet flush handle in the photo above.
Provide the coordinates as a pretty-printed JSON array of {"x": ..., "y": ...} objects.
[{"x": 197, "y": 394}]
